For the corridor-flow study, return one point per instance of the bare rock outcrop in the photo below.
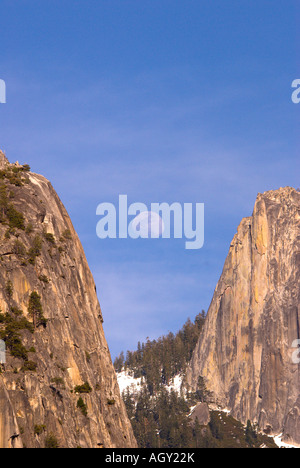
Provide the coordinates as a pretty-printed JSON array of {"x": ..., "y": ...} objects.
[
  {"x": 3, "y": 160},
  {"x": 200, "y": 414},
  {"x": 58, "y": 385},
  {"x": 245, "y": 353}
]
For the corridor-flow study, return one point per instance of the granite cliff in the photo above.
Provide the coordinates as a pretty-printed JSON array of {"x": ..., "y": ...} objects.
[
  {"x": 245, "y": 352},
  {"x": 57, "y": 382}
]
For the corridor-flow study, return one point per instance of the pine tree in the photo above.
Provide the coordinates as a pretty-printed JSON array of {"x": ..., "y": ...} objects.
[
  {"x": 251, "y": 436},
  {"x": 202, "y": 394},
  {"x": 119, "y": 362},
  {"x": 35, "y": 310}
]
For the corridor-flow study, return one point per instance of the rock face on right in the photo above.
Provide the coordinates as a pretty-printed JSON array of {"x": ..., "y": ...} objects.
[{"x": 247, "y": 352}]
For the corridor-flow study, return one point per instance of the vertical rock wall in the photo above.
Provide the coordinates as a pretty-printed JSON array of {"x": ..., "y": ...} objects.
[{"x": 245, "y": 352}]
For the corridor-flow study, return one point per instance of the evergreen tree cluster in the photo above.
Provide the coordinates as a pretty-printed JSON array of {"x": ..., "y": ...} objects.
[
  {"x": 160, "y": 417},
  {"x": 159, "y": 421},
  {"x": 159, "y": 361},
  {"x": 162, "y": 421}
]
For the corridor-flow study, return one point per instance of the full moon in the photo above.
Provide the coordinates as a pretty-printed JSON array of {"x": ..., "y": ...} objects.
[{"x": 149, "y": 224}]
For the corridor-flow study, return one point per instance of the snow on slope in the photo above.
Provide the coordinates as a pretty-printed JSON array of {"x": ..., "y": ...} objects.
[
  {"x": 280, "y": 444},
  {"x": 135, "y": 385},
  {"x": 125, "y": 381}
]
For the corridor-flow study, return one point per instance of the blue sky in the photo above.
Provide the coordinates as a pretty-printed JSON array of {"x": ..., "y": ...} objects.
[{"x": 169, "y": 100}]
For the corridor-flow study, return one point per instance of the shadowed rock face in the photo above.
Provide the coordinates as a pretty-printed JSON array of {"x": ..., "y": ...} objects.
[
  {"x": 70, "y": 348},
  {"x": 245, "y": 351}
]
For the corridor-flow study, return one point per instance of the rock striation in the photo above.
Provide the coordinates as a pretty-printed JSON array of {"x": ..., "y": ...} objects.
[
  {"x": 246, "y": 353},
  {"x": 58, "y": 386}
]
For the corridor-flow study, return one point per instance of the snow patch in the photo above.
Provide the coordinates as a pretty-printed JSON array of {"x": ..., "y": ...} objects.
[
  {"x": 215, "y": 407},
  {"x": 135, "y": 385},
  {"x": 191, "y": 410},
  {"x": 176, "y": 384},
  {"x": 280, "y": 444},
  {"x": 127, "y": 381}
]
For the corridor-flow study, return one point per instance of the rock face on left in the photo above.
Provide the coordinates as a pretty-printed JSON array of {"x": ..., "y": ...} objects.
[{"x": 58, "y": 387}]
